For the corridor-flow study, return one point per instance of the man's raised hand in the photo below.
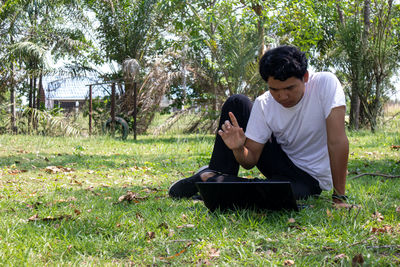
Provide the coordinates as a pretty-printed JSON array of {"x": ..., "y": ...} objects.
[{"x": 232, "y": 133}]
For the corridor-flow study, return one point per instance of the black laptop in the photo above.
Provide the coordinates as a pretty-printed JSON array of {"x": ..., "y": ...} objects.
[{"x": 268, "y": 195}]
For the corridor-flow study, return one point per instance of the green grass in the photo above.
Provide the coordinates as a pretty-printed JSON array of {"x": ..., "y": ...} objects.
[{"x": 87, "y": 225}]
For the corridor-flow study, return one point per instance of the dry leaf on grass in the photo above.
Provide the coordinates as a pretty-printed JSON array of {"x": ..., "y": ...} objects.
[
  {"x": 15, "y": 171},
  {"x": 131, "y": 197},
  {"x": 70, "y": 199},
  {"x": 288, "y": 262},
  {"x": 163, "y": 225},
  {"x": 177, "y": 254},
  {"x": 184, "y": 217},
  {"x": 214, "y": 253},
  {"x": 298, "y": 227},
  {"x": 150, "y": 190},
  {"x": 150, "y": 235},
  {"x": 378, "y": 216},
  {"x": 358, "y": 260},
  {"x": 383, "y": 229},
  {"x": 48, "y": 218},
  {"x": 185, "y": 226},
  {"x": 57, "y": 169},
  {"x": 73, "y": 181},
  {"x": 338, "y": 257},
  {"x": 34, "y": 205},
  {"x": 328, "y": 213}
]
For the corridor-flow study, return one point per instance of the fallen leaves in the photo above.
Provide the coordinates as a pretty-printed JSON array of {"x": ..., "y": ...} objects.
[
  {"x": 293, "y": 224},
  {"x": 339, "y": 257},
  {"x": 288, "y": 262},
  {"x": 16, "y": 171},
  {"x": 378, "y": 216},
  {"x": 185, "y": 226},
  {"x": 49, "y": 218},
  {"x": 177, "y": 254},
  {"x": 383, "y": 229},
  {"x": 55, "y": 202},
  {"x": 131, "y": 197},
  {"x": 328, "y": 213},
  {"x": 358, "y": 260},
  {"x": 150, "y": 235},
  {"x": 214, "y": 253},
  {"x": 58, "y": 169}
]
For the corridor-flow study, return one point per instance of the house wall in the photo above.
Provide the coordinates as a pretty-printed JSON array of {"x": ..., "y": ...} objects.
[{"x": 67, "y": 105}]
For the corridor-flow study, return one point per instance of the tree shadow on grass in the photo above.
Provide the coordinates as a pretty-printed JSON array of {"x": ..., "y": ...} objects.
[
  {"x": 172, "y": 139},
  {"x": 81, "y": 161},
  {"x": 384, "y": 166}
]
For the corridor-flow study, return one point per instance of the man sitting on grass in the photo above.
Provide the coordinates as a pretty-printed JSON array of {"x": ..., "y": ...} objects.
[{"x": 294, "y": 132}]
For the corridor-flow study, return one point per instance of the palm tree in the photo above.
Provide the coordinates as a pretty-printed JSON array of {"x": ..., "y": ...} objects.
[{"x": 35, "y": 33}]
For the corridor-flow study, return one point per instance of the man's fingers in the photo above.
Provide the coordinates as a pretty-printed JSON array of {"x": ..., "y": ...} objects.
[
  {"x": 227, "y": 124},
  {"x": 233, "y": 119}
]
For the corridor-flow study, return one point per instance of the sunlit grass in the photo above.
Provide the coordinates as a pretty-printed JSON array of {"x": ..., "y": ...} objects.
[{"x": 74, "y": 217}]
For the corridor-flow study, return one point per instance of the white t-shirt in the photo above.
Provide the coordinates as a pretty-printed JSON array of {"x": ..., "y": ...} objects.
[{"x": 301, "y": 129}]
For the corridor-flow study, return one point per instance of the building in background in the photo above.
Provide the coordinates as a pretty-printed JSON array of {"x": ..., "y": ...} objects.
[{"x": 71, "y": 93}]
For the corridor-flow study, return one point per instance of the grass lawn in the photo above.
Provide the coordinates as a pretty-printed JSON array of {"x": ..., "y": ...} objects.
[{"x": 77, "y": 213}]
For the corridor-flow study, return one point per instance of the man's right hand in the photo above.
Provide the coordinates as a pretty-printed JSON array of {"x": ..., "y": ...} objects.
[{"x": 232, "y": 134}]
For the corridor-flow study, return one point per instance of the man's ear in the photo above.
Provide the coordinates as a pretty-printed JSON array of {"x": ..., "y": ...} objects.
[{"x": 305, "y": 77}]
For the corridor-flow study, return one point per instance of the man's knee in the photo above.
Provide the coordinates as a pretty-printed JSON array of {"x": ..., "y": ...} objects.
[{"x": 237, "y": 100}]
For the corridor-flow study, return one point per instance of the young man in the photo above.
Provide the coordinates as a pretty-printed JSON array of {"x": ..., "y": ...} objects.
[{"x": 294, "y": 132}]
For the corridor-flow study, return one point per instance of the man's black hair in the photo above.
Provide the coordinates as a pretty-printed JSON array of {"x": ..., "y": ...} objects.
[{"x": 282, "y": 63}]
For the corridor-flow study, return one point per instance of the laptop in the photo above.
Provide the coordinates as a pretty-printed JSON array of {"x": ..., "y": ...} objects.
[{"x": 268, "y": 195}]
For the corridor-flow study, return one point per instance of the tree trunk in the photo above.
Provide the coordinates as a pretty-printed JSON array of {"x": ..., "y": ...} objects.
[
  {"x": 40, "y": 92},
  {"x": 12, "y": 101},
  {"x": 354, "y": 108},
  {"x": 34, "y": 93},
  {"x": 30, "y": 92},
  {"x": 367, "y": 23},
  {"x": 340, "y": 13},
  {"x": 258, "y": 10}
]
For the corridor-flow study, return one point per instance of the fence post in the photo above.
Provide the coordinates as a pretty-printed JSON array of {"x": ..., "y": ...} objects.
[
  {"x": 90, "y": 110},
  {"x": 112, "y": 108}
]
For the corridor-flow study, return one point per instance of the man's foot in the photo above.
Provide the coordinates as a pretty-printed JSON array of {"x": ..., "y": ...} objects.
[{"x": 186, "y": 187}]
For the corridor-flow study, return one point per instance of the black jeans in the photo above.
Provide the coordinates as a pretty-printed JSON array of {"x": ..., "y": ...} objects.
[{"x": 273, "y": 163}]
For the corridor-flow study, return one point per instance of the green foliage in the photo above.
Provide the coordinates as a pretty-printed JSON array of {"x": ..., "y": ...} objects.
[
  {"x": 298, "y": 23},
  {"x": 42, "y": 122},
  {"x": 364, "y": 51},
  {"x": 216, "y": 46},
  {"x": 126, "y": 27},
  {"x": 222, "y": 42},
  {"x": 100, "y": 113}
]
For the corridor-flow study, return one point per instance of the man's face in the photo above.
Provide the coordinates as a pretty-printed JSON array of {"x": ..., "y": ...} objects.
[{"x": 289, "y": 92}]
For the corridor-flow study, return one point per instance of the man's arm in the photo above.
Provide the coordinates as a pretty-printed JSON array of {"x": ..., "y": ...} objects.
[
  {"x": 246, "y": 151},
  {"x": 338, "y": 148}
]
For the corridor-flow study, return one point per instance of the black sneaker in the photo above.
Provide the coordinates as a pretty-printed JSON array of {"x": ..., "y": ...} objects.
[{"x": 186, "y": 187}]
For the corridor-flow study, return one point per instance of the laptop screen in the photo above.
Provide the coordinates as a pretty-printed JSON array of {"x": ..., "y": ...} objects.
[{"x": 268, "y": 195}]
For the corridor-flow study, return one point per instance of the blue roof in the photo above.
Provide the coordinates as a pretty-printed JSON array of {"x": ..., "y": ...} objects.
[{"x": 76, "y": 88}]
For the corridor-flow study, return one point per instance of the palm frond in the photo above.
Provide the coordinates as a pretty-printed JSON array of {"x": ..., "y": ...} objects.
[{"x": 29, "y": 51}]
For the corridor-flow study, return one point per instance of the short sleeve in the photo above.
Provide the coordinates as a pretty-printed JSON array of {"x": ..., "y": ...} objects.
[
  {"x": 331, "y": 94},
  {"x": 257, "y": 127}
]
